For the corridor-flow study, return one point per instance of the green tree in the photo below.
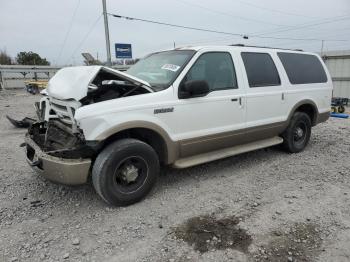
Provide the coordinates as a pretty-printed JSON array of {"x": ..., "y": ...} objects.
[
  {"x": 5, "y": 59},
  {"x": 30, "y": 58}
]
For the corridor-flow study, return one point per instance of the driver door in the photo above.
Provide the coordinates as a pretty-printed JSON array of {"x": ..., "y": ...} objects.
[{"x": 215, "y": 120}]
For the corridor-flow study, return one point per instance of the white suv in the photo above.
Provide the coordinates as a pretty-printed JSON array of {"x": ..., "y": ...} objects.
[{"x": 180, "y": 107}]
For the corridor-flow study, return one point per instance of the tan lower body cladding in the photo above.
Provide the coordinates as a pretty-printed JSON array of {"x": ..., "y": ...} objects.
[
  {"x": 194, "y": 146},
  {"x": 190, "y": 147}
]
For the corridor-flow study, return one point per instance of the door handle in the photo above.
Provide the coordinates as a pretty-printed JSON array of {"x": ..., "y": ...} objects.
[{"x": 237, "y": 99}]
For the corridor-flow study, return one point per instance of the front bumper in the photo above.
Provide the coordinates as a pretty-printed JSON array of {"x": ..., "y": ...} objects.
[{"x": 56, "y": 169}]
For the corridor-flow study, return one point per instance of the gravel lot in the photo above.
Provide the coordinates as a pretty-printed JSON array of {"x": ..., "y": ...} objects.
[{"x": 261, "y": 206}]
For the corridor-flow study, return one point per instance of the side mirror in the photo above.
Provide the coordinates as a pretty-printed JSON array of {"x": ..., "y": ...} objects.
[{"x": 193, "y": 88}]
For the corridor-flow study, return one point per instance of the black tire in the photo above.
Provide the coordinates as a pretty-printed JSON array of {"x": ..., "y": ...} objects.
[
  {"x": 341, "y": 109},
  {"x": 334, "y": 109},
  {"x": 298, "y": 132},
  {"x": 109, "y": 173}
]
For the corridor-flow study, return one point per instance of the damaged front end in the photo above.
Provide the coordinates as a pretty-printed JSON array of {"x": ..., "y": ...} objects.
[
  {"x": 58, "y": 154},
  {"x": 56, "y": 139},
  {"x": 55, "y": 145}
]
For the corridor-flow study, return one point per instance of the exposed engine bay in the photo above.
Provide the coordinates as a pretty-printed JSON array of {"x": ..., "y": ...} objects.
[
  {"x": 56, "y": 132},
  {"x": 108, "y": 86},
  {"x": 83, "y": 86}
]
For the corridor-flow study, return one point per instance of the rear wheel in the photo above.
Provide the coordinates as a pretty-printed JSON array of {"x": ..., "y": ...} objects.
[
  {"x": 298, "y": 132},
  {"x": 125, "y": 172}
]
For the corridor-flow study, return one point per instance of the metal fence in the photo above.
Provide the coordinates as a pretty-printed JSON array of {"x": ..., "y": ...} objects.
[{"x": 13, "y": 76}]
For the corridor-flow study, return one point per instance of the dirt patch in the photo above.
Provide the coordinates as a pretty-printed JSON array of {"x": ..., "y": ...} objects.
[
  {"x": 205, "y": 233},
  {"x": 300, "y": 243}
]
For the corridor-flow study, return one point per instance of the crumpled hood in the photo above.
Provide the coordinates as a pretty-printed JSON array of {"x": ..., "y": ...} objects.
[{"x": 73, "y": 82}]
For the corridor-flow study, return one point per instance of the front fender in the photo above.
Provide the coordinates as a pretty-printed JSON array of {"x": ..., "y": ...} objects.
[{"x": 101, "y": 127}]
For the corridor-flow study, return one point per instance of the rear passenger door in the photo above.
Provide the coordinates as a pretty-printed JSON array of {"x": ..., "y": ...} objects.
[{"x": 265, "y": 93}]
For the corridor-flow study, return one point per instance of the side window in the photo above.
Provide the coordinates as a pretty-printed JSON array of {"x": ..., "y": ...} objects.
[
  {"x": 216, "y": 68},
  {"x": 261, "y": 70},
  {"x": 303, "y": 68}
]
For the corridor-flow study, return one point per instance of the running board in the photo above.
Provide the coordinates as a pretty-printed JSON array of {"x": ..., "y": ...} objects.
[{"x": 226, "y": 152}]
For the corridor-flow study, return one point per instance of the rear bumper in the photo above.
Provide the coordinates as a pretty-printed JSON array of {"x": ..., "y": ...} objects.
[{"x": 56, "y": 169}]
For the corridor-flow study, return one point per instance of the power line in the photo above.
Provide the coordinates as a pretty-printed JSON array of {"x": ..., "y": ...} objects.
[
  {"x": 282, "y": 28},
  {"x": 331, "y": 36},
  {"x": 85, "y": 37},
  {"x": 297, "y": 27},
  {"x": 173, "y": 25},
  {"x": 68, "y": 31},
  {"x": 322, "y": 21},
  {"x": 228, "y": 14},
  {"x": 293, "y": 45},
  {"x": 219, "y": 32},
  {"x": 297, "y": 39},
  {"x": 273, "y": 10}
]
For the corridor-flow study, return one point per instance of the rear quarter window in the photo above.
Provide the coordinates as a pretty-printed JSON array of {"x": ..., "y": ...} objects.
[
  {"x": 302, "y": 68},
  {"x": 261, "y": 70}
]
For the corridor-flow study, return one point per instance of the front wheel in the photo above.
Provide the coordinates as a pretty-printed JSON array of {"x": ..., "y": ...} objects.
[
  {"x": 125, "y": 172},
  {"x": 298, "y": 132}
]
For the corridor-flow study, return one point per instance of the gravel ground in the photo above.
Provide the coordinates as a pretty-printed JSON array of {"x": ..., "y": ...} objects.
[{"x": 261, "y": 206}]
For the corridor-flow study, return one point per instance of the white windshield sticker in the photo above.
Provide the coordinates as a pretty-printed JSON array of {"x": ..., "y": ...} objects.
[{"x": 170, "y": 67}]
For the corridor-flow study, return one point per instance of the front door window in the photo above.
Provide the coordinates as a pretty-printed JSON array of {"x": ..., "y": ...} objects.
[{"x": 216, "y": 68}]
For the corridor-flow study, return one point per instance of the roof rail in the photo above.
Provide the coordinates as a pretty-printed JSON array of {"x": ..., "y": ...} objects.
[{"x": 243, "y": 45}]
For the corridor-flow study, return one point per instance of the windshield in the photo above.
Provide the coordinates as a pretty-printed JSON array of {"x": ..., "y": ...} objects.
[{"x": 161, "y": 69}]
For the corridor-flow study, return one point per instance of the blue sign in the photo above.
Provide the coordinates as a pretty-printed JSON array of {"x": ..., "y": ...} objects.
[{"x": 123, "y": 51}]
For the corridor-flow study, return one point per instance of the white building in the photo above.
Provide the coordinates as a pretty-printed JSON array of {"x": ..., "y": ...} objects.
[{"x": 338, "y": 63}]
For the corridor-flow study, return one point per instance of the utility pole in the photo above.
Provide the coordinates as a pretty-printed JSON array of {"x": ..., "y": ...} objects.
[
  {"x": 108, "y": 47},
  {"x": 322, "y": 48}
]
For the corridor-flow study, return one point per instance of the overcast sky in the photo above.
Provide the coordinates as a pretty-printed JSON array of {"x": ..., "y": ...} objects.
[{"x": 41, "y": 25}]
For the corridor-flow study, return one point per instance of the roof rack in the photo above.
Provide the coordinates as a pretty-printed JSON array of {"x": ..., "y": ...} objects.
[{"x": 243, "y": 45}]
